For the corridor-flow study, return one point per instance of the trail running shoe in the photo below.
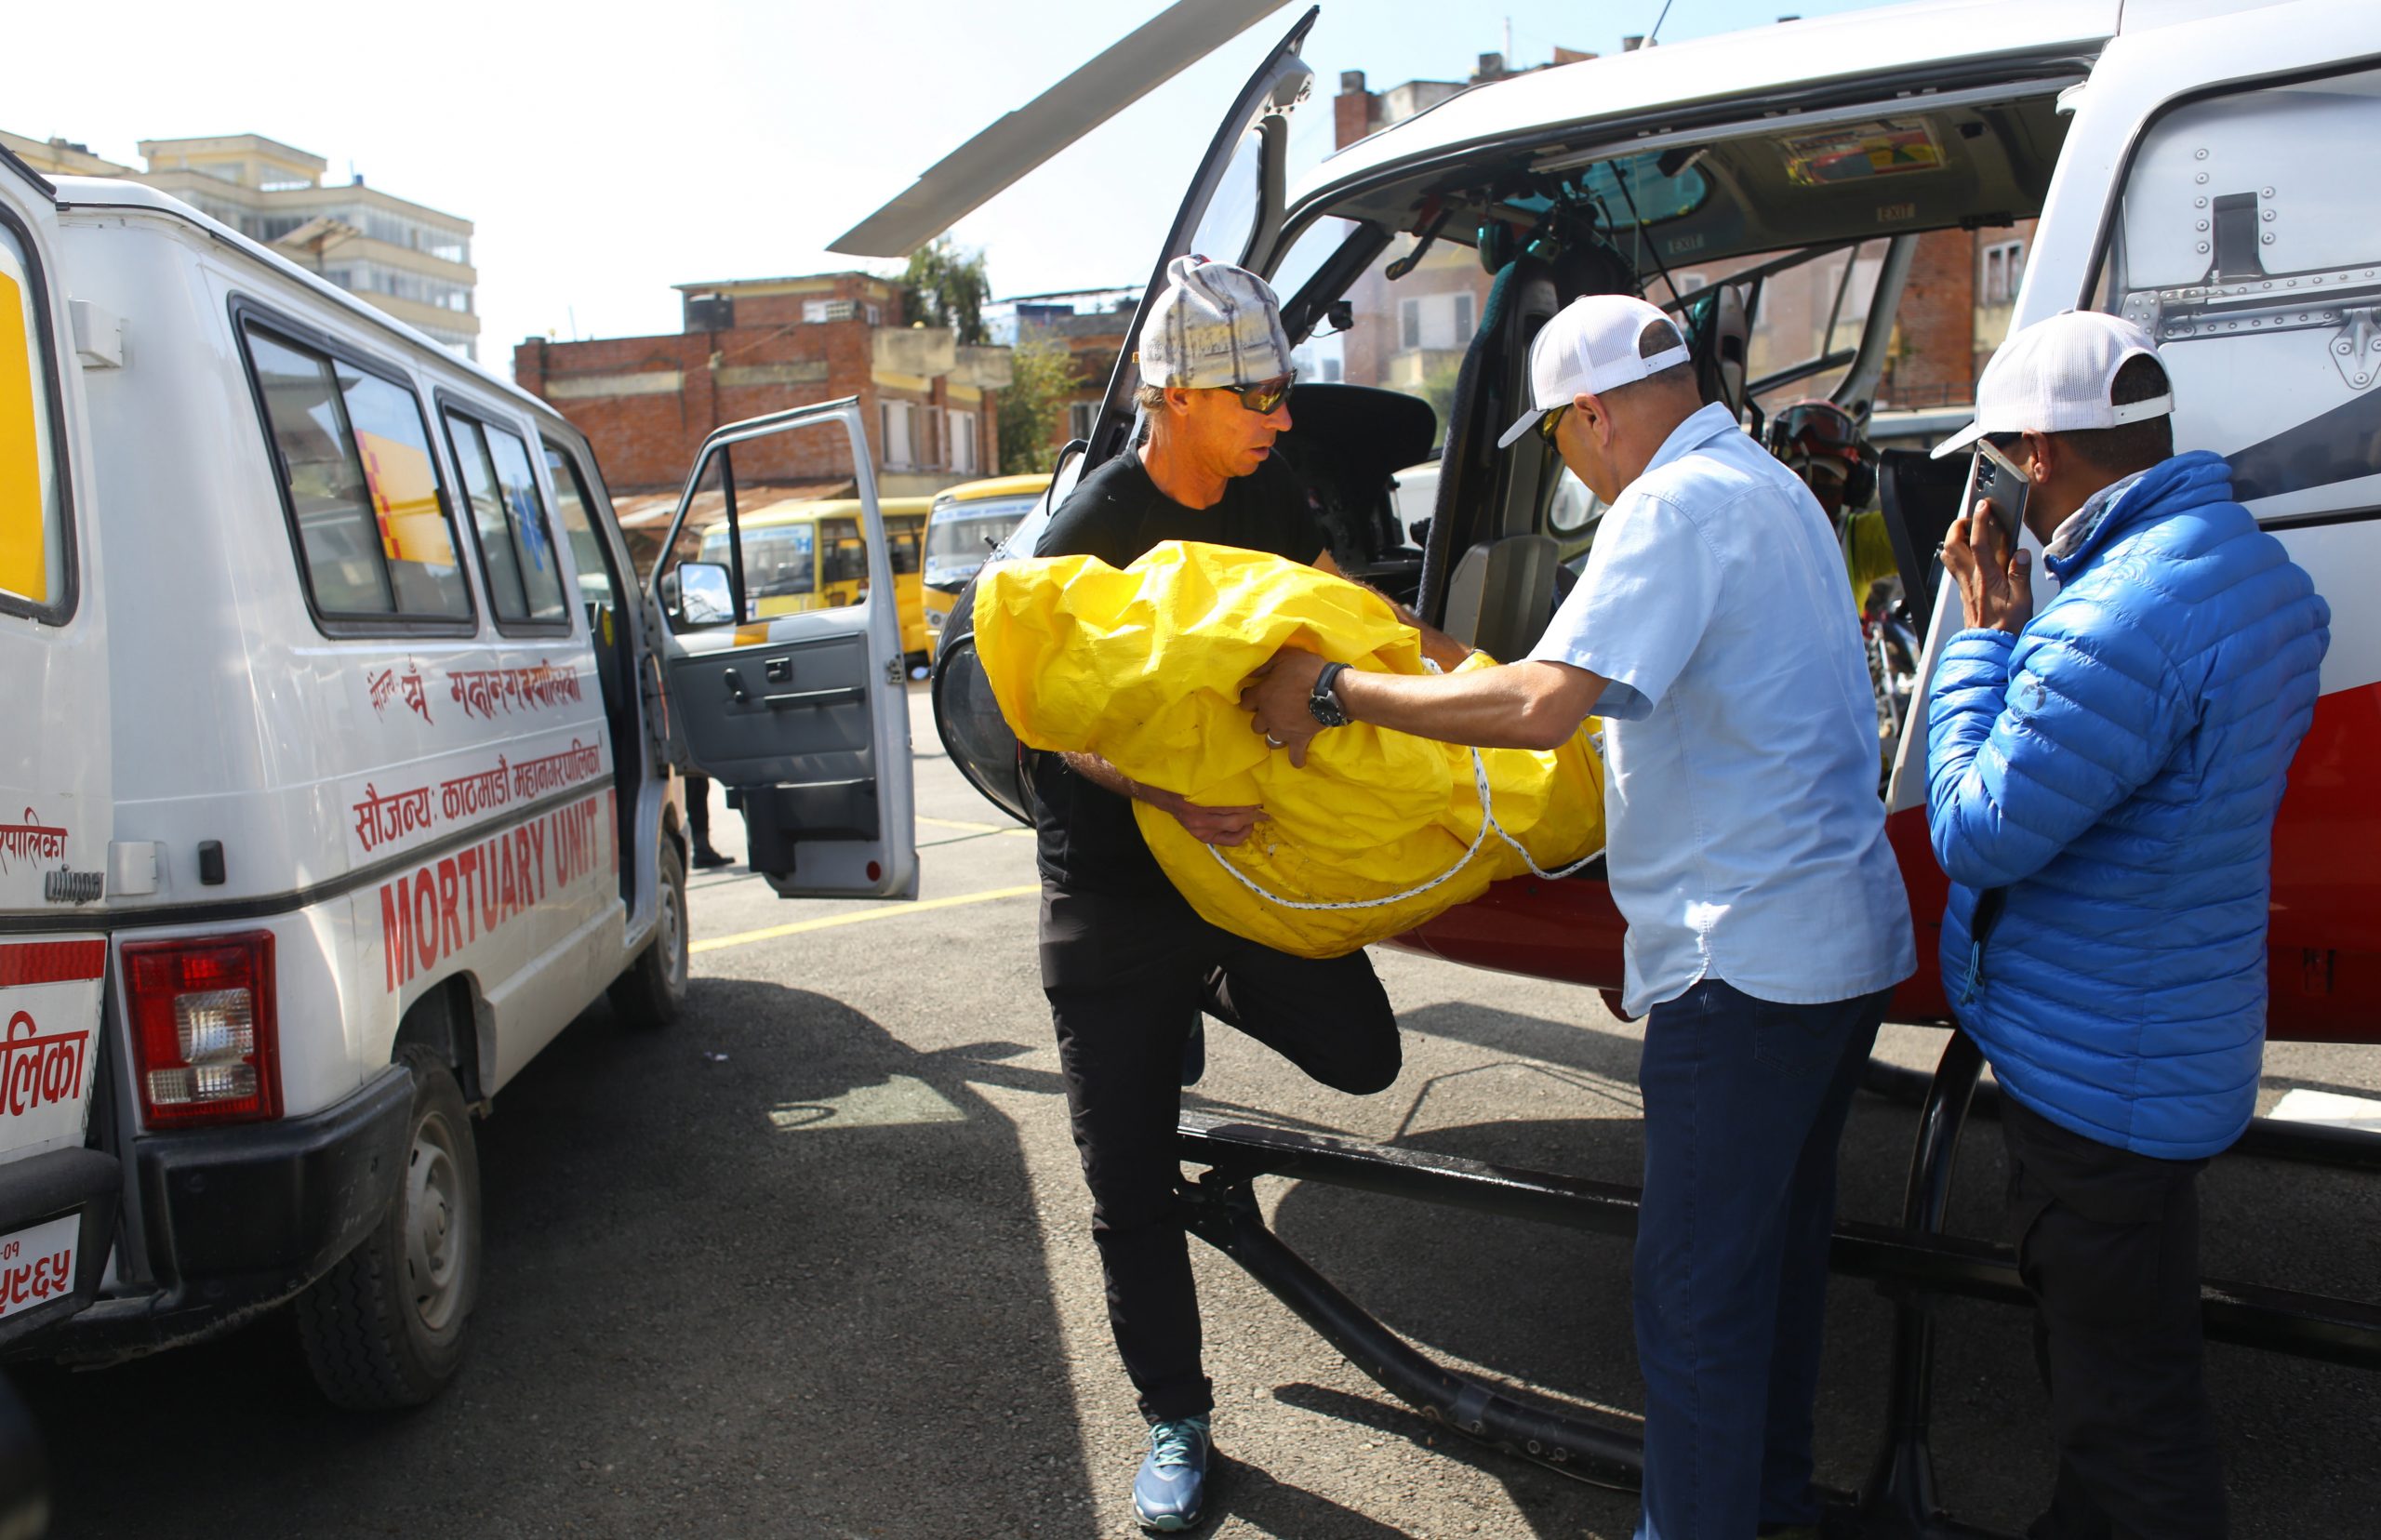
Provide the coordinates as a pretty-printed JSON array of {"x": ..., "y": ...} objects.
[{"x": 1171, "y": 1490}]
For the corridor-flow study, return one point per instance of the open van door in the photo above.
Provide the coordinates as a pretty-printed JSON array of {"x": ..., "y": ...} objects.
[
  {"x": 802, "y": 712},
  {"x": 2200, "y": 194}
]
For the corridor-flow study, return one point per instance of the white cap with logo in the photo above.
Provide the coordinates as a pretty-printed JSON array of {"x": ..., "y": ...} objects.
[
  {"x": 1591, "y": 347},
  {"x": 2055, "y": 377}
]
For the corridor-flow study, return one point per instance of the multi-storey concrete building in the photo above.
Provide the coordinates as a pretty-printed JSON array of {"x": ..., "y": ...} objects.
[{"x": 411, "y": 260}]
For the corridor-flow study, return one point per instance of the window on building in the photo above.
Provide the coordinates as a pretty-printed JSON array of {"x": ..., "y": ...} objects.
[
  {"x": 894, "y": 418},
  {"x": 2004, "y": 271},
  {"x": 516, "y": 547},
  {"x": 1439, "y": 322},
  {"x": 818, "y": 311},
  {"x": 1082, "y": 418},
  {"x": 353, "y": 456},
  {"x": 963, "y": 442}
]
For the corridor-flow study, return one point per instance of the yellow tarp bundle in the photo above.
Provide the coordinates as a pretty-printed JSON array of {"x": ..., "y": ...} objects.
[{"x": 1144, "y": 668}]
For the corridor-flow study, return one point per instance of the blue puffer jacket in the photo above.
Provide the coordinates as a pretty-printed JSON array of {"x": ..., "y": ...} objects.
[{"x": 2115, "y": 768}]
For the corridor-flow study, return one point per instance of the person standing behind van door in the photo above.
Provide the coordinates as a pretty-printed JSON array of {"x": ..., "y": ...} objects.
[
  {"x": 2102, "y": 780},
  {"x": 1713, "y": 633},
  {"x": 698, "y": 823}
]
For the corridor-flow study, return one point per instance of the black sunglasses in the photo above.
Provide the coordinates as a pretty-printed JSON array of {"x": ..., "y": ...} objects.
[
  {"x": 1267, "y": 396},
  {"x": 1553, "y": 421}
]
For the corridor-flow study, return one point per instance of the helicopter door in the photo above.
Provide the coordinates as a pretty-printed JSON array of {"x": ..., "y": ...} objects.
[
  {"x": 800, "y": 710},
  {"x": 2199, "y": 194}
]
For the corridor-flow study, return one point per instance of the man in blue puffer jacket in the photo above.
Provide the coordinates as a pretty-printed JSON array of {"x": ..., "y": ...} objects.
[{"x": 2102, "y": 779}]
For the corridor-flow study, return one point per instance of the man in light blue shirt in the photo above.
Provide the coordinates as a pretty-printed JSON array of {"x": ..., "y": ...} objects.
[{"x": 1746, "y": 845}]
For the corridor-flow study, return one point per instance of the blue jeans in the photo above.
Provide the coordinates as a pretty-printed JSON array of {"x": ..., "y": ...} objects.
[{"x": 1745, "y": 1102}]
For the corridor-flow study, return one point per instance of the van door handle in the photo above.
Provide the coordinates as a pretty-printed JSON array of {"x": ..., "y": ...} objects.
[
  {"x": 735, "y": 683},
  {"x": 777, "y": 670}
]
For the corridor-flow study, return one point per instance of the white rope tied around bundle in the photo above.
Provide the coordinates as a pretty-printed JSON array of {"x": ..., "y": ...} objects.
[{"x": 1487, "y": 822}]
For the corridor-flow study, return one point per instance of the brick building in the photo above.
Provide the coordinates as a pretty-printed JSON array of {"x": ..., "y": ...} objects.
[
  {"x": 758, "y": 345},
  {"x": 1091, "y": 323}
]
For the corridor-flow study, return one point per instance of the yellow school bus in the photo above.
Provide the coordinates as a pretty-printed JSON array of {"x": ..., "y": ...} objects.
[
  {"x": 811, "y": 555},
  {"x": 967, "y": 521}
]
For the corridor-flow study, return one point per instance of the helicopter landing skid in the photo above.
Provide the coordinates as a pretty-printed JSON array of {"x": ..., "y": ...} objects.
[{"x": 1913, "y": 1262}]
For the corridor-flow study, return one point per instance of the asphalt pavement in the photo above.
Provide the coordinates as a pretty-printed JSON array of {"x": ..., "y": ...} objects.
[{"x": 815, "y": 1262}]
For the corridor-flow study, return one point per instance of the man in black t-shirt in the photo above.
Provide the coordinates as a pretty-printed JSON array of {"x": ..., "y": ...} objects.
[{"x": 1127, "y": 965}]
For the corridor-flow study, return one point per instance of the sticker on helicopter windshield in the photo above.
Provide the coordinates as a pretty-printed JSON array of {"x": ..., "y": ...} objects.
[{"x": 1858, "y": 152}]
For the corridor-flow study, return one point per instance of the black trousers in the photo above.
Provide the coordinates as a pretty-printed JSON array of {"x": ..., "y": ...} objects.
[
  {"x": 2107, "y": 1244},
  {"x": 1127, "y": 979}
]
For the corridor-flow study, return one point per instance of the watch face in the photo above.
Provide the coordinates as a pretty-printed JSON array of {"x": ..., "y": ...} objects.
[{"x": 1322, "y": 702}]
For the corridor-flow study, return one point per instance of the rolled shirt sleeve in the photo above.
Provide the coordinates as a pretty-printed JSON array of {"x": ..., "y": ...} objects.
[{"x": 1642, "y": 606}]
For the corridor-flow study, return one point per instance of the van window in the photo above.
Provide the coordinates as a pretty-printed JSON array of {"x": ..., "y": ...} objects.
[
  {"x": 516, "y": 551},
  {"x": 32, "y": 532},
  {"x": 779, "y": 560},
  {"x": 2248, "y": 251},
  {"x": 573, "y": 505},
  {"x": 353, "y": 455}
]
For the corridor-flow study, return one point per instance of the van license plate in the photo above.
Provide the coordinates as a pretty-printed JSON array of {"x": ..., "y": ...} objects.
[{"x": 37, "y": 1264}]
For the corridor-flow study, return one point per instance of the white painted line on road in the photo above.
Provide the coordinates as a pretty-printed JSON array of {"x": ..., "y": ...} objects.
[
  {"x": 976, "y": 828},
  {"x": 883, "y": 911}
]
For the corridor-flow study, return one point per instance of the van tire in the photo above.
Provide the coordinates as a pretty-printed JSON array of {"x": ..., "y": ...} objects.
[
  {"x": 653, "y": 991},
  {"x": 385, "y": 1327}
]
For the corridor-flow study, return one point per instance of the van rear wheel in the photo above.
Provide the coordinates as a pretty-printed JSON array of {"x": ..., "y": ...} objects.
[
  {"x": 384, "y": 1328},
  {"x": 653, "y": 991}
]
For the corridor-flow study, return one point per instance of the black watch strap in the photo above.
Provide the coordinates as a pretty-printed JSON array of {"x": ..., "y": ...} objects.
[{"x": 1322, "y": 703}]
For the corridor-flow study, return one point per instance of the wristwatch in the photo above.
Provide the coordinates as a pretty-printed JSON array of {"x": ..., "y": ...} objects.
[{"x": 1322, "y": 703}]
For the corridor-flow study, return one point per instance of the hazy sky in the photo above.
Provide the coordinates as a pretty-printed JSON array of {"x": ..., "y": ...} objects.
[{"x": 607, "y": 151}]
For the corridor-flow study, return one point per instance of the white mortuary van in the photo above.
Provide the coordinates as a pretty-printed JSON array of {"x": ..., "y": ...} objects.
[{"x": 338, "y": 782}]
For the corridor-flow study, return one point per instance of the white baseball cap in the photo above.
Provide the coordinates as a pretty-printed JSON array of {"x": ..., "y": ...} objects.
[
  {"x": 2055, "y": 377},
  {"x": 1591, "y": 347}
]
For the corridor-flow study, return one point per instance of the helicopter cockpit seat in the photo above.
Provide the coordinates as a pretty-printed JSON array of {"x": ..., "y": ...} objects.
[
  {"x": 1503, "y": 594},
  {"x": 1479, "y": 483}
]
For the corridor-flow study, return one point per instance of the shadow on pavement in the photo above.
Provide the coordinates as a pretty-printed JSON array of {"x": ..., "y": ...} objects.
[
  {"x": 1549, "y": 1308},
  {"x": 794, "y": 1289},
  {"x": 1250, "y": 1495}
]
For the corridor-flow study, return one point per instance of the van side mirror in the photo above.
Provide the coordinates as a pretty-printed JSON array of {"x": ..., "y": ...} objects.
[{"x": 696, "y": 593}]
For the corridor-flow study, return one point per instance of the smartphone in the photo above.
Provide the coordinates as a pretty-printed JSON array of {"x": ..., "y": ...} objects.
[{"x": 1997, "y": 481}]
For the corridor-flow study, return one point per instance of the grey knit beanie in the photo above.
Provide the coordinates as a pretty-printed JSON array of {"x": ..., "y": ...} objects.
[{"x": 1214, "y": 325}]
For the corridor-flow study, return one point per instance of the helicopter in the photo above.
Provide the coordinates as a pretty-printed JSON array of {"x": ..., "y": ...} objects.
[{"x": 2163, "y": 159}]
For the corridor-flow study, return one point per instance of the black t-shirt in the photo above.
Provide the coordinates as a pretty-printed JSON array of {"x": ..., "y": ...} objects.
[{"x": 1087, "y": 839}]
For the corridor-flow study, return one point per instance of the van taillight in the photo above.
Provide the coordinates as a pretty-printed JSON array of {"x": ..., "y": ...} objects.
[{"x": 203, "y": 1030}]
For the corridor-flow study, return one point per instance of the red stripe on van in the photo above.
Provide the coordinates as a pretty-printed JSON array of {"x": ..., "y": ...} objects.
[{"x": 51, "y": 962}]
